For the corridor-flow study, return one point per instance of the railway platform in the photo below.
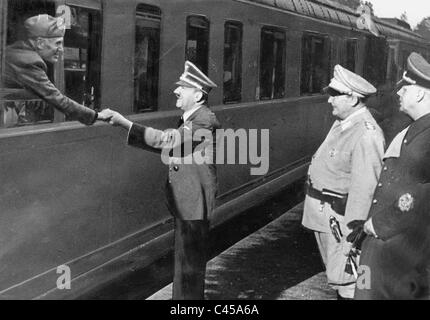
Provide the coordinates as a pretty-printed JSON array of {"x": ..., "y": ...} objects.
[{"x": 280, "y": 261}]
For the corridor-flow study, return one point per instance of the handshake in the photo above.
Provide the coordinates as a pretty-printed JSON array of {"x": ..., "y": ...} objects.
[{"x": 114, "y": 118}]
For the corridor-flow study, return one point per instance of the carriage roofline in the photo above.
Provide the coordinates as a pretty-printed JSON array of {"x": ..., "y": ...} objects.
[{"x": 332, "y": 12}]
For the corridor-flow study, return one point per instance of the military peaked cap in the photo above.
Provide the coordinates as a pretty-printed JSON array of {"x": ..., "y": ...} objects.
[
  {"x": 418, "y": 72},
  {"x": 194, "y": 78},
  {"x": 45, "y": 26},
  {"x": 349, "y": 83}
]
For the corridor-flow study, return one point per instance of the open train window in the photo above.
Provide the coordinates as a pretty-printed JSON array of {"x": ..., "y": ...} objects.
[
  {"x": 272, "y": 63},
  {"x": 18, "y": 106},
  {"x": 232, "y": 62},
  {"x": 146, "y": 58},
  {"x": 315, "y": 73},
  {"x": 197, "y": 45},
  {"x": 351, "y": 54},
  {"x": 77, "y": 72}
]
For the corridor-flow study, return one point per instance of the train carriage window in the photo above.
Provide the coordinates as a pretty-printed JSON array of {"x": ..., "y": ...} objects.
[
  {"x": 82, "y": 51},
  {"x": 391, "y": 66},
  {"x": 76, "y": 74},
  {"x": 18, "y": 106},
  {"x": 375, "y": 64},
  {"x": 232, "y": 62},
  {"x": 147, "y": 54},
  {"x": 197, "y": 45},
  {"x": 315, "y": 73},
  {"x": 272, "y": 63},
  {"x": 351, "y": 54}
]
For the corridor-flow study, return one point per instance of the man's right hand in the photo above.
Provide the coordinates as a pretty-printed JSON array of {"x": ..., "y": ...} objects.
[{"x": 115, "y": 118}]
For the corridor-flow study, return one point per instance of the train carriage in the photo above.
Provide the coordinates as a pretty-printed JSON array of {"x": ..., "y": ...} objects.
[{"x": 78, "y": 196}]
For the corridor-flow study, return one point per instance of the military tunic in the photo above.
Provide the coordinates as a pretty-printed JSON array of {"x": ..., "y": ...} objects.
[
  {"x": 24, "y": 68},
  {"x": 347, "y": 162},
  {"x": 398, "y": 259},
  {"x": 191, "y": 189}
]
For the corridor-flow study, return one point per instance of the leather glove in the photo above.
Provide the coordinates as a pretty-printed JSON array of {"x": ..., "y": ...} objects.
[{"x": 356, "y": 226}]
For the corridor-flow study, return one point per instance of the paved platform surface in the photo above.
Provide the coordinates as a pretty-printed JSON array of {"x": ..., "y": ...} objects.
[{"x": 278, "y": 262}]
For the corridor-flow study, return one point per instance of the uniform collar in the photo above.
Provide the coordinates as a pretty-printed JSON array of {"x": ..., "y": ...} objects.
[
  {"x": 187, "y": 114},
  {"x": 417, "y": 127},
  {"x": 349, "y": 121}
]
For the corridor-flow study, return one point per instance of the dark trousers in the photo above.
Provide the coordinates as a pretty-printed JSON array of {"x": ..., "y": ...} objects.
[{"x": 191, "y": 238}]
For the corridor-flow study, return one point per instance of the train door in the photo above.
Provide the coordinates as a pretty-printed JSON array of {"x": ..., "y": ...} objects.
[{"x": 76, "y": 74}]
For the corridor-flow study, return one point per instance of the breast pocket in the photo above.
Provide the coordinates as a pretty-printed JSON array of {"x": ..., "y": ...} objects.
[{"x": 341, "y": 160}]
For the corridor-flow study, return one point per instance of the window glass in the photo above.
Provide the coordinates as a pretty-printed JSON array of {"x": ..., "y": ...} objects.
[
  {"x": 375, "y": 64},
  {"x": 197, "y": 45},
  {"x": 351, "y": 54},
  {"x": 391, "y": 66},
  {"x": 315, "y": 73},
  {"x": 232, "y": 62},
  {"x": 76, "y": 73},
  {"x": 82, "y": 51},
  {"x": 272, "y": 63},
  {"x": 147, "y": 54}
]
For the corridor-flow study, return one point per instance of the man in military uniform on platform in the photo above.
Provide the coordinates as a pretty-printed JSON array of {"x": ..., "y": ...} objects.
[
  {"x": 395, "y": 256},
  {"x": 192, "y": 183},
  {"x": 343, "y": 175},
  {"x": 25, "y": 66}
]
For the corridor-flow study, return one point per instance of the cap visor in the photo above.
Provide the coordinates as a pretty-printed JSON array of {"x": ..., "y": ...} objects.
[
  {"x": 330, "y": 91},
  {"x": 184, "y": 84}
]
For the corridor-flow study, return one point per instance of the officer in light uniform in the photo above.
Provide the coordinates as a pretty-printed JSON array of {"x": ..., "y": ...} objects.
[
  {"x": 192, "y": 182},
  {"x": 343, "y": 175},
  {"x": 396, "y": 252}
]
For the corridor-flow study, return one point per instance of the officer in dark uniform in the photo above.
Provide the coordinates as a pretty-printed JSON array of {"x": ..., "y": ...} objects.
[
  {"x": 396, "y": 253},
  {"x": 25, "y": 66},
  {"x": 192, "y": 183}
]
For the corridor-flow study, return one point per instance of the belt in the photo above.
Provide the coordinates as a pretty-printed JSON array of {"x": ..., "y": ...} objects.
[{"x": 336, "y": 200}]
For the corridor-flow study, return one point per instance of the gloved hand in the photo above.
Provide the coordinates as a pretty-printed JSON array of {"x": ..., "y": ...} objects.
[{"x": 356, "y": 226}]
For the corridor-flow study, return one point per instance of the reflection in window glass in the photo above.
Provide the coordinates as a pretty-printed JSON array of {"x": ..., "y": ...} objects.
[
  {"x": 197, "y": 45},
  {"x": 232, "y": 62},
  {"x": 315, "y": 63},
  {"x": 272, "y": 64},
  {"x": 351, "y": 54},
  {"x": 82, "y": 51},
  {"x": 18, "y": 106},
  {"x": 147, "y": 53}
]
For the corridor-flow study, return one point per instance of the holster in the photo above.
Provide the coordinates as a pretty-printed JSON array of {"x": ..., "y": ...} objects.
[{"x": 337, "y": 201}]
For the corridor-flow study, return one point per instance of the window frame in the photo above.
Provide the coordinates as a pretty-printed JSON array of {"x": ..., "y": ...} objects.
[
  {"x": 239, "y": 25},
  {"x": 355, "y": 47},
  {"x": 273, "y": 29},
  {"x": 58, "y": 69},
  {"x": 328, "y": 44},
  {"x": 135, "y": 109},
  {"x": 204, "y": 69}
]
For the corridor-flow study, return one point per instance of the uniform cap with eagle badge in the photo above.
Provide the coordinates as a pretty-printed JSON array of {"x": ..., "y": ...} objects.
[
  {"x": 417, "y": 73},
  {"x": 45, "y": 26},
  {"x": 194, "y": 78},
  {"x": 348, "y": 83}
]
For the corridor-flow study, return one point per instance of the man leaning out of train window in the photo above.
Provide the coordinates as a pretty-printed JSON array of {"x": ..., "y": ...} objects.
[{"x": 26, "y": 66}]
